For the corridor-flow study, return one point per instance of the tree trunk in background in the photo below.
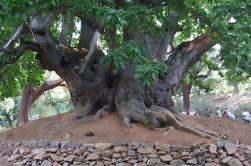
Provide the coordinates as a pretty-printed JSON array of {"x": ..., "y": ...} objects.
[
  {"x": 30, "y": 94},
  {"x": 186, "y": 90}
]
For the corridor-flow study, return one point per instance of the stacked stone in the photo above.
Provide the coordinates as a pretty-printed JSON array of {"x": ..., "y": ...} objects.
[{"x": 56, "y": 153}]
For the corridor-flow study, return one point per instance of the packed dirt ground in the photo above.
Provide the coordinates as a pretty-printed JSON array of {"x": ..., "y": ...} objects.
[{"x": 110, "y": 129}]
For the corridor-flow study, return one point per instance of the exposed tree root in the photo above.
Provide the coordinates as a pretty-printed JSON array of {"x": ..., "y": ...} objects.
[{"x": 169, "y": 119}]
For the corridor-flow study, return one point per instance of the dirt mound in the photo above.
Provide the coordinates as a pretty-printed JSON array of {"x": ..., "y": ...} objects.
[{"x": 110, "y": 129}]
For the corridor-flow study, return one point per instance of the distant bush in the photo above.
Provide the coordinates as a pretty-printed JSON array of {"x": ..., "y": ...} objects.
[
  {"x": 202, "y": 104},
  {"x": 238, "y": 111},
  {"x": 198, "y": 103}
]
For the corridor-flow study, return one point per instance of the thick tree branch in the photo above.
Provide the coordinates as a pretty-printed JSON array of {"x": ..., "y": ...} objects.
[
  {"x": 13, "y": 39},
  {"x": 93, "y": 45},
  {"x": 184, "y": 56},
  {"x": 52, "y": 16},
  {"x": 47, "y": 85}
]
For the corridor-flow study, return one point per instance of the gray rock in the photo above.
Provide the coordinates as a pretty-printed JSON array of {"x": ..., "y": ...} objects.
[
  {"x": 166, "y": 158},
  {"x": 176, "y": 148},
  {"x": 93, "y": 156},
  {"x": 120, "y": 149},
  {"x": 131, "y": 153},
  {"x": 177, "y": 162},
  {"x": 55, "y": 157},
  {"x": 246, "y": 163},
  {"x": 52, "y": 150},
  {"x": 226, "y": 159},
  {"x": 123, "y": 164},
  {"x": 56, "y": 164},
  {"x": 103, "y": 146},
  {"x": 116, "y": 155},
  {"x": 107, "y": 153},
  {"x": 220, "y": 144},
  {"x": 234, "y": 162},
  {"x": 70, "y": 158},
  {"x": 133, "y": 146},
  {"x": 230, "y": 148},
  {"x": 146, "y": 150},
  {"x": 46, "y": 163},
  {"x": 153, "y": 161},
  {"x": 212, "y": 164},
  {"x": 192, "y": 161},
  {"x": 162, "y": 146},
  {"x": 184, "y": 154},
  {"x": 39, "y": 153},
  {"x": 213, "y": 149}
]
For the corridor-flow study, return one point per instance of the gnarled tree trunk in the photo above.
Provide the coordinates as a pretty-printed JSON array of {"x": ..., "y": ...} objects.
[{"x": 95, "y": 86}]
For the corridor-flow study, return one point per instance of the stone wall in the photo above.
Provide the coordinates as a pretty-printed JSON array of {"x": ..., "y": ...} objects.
[{"x": 56, "y": 153}]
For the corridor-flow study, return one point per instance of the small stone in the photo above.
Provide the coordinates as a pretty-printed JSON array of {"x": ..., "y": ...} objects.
[
  {"x": 120, "y": 149},
  {"x": 213, "y": 149},
  {"x": 230, "y": 148},
  {"x": 93, "y": 156},
  {"x": 146, "y": 150},
  {"x": 39, "y": 154},
  {"x": 162, "y": 146},
  {"x": 246, "y": 163},
  {"x": 177, "y": 162},
  {"x": 176, "y": 148},
  {"x": 220, "y": 144},
  {"x": 55, "y": 157},
  {"x": 46, "y": 163},
  {"x": 51, "y": 150},
  {"x": 241, "y": 158},
  {"x": 103, "y": 146},
  {"x": 184, "y": 154},
  {"x": 56, "y": 164},
  {"x": 166, "y": 158},
  {"x": 116, "y": 155},
  {"x": 107, "y": 153},
  {"x": 153, "y": 161},
  {"x": 70, "y": 158},
  {"x": 133, "y": 146},
  {"x": 212, "y": 164},
  {"x": 226, "y": 159},
  {"x": 24, "y": 150},
  {"x": 192, "y": 162},
  {"x": 123, "y": 164},
  {"x": 13, "y": 157},
  {"x": 131, "y": 153},
  {"x": 234, "y": 162}
]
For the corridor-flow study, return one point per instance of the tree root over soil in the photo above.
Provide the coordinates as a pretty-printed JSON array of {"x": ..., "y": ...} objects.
[{"x": 156, "y": 118}]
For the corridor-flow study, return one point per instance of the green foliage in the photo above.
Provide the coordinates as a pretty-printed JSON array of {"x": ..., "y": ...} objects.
[
  {"x": 226, "y": 21},
  {"x": 147, "y": 68},
  {"x": 9, "y": 109},
  {"x": 15, "y": 76},
  {"x": 201, "y": 104}
]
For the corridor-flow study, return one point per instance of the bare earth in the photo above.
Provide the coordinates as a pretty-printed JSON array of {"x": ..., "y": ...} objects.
[{"x": 110, "y": 129}]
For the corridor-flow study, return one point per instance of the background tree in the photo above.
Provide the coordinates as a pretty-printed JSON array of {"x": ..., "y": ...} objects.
[{"x": 136, "y": 74}]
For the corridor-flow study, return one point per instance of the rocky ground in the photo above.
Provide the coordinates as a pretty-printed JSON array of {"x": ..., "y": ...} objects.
[
  {"x": 174, "y": 147},
  {"x": 56, "y": 153}
]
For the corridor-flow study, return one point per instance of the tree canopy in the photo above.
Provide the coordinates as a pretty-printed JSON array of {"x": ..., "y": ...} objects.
[{"x": 227, "y": 22}]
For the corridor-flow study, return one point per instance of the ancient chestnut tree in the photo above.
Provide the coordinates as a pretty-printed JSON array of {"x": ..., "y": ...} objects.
[{"x": 120, "y": 55}]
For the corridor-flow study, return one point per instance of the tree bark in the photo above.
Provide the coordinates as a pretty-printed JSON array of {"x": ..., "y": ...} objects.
[
  {"x": 30, "y": 94},
  {"x": 186, "y": 90},
  {"x": 97, "y": 86}
]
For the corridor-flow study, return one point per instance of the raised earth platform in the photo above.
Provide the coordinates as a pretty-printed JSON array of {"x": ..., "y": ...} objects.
[{"x": 65, "y": 153}]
